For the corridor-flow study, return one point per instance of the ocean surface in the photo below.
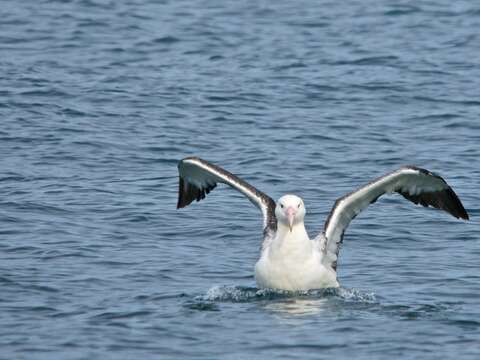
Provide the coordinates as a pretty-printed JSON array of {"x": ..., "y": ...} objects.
[{"x": 100, "y": 99}]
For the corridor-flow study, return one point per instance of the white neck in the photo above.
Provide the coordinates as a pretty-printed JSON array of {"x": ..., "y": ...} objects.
[
  {"x": 298, "y": 231},
  {"x": 288, "y": 245}
]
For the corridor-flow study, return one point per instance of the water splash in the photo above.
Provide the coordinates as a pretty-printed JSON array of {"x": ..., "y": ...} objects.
[{"x": 231, "y": 293}]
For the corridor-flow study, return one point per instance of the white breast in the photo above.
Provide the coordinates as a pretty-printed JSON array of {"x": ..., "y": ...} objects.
[{"x": 293, "y": 262}]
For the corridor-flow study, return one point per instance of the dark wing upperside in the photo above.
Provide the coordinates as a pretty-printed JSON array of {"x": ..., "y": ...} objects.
[
  {"x": 198, "y": 177},
  {"x": 415, "y": 184}
]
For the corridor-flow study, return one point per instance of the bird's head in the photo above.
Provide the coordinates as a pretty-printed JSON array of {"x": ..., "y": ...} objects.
[{"x": 290, "y": 210}]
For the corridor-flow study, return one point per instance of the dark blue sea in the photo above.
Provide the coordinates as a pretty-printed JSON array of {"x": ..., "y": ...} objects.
[{"x": 100, "y": 99}]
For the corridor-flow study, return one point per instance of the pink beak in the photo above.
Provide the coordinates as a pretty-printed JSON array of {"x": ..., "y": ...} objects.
[{"x": 291, "y": 212}]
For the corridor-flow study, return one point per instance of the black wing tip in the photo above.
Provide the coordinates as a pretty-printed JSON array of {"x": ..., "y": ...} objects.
[
  {"x": 188, "y": 192},
  {"x": 454, "y": 206},
  {"x": 446, "y": 200},
  {"x": 182, "y": 201},
  {"x": 180, "y": 206},
  {"x": 464, "y": 216}
]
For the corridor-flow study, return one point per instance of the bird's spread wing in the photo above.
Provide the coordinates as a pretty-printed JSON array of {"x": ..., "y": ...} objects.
[
  {"x": 417, "y": 185},
  {"x": 198, "y": 177}
]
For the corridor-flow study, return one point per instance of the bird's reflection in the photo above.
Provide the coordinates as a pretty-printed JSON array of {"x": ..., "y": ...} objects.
[{"x": 297, "y": 307}]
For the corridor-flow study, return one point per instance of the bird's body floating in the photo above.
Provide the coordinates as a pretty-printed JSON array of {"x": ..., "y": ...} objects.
[{"x": 289, "y": 259}]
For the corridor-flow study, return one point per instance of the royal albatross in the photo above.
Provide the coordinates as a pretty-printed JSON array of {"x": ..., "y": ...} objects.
[{"x": 289, "y": 259}]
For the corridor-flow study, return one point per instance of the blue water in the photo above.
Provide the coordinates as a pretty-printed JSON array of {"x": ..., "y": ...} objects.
[{"x": 100, "y": 99}]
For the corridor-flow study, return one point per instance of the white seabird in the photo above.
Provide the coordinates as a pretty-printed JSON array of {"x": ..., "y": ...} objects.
[{"x": 289, "y": 259}]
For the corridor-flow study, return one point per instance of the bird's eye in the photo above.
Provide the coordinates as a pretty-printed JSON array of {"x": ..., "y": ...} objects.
[
  {"x": 299, "y": 206},
  {"x": 281, "y": 205}
]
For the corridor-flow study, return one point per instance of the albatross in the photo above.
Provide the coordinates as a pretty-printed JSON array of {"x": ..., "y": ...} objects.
[{"x": 289, "y": 259}]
